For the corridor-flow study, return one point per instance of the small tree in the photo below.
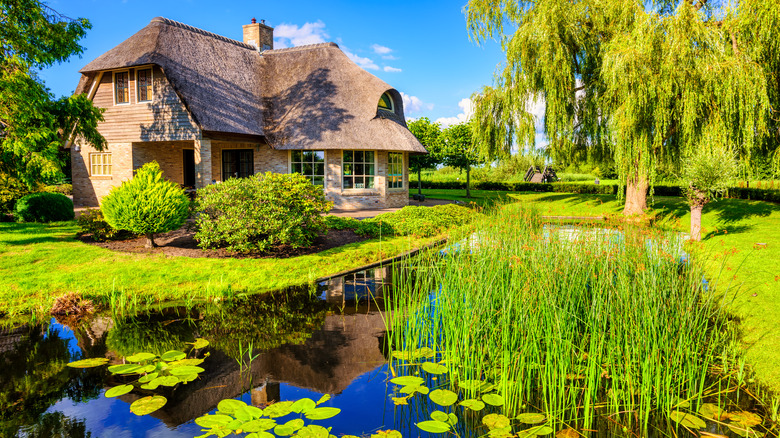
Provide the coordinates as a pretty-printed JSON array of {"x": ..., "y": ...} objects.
[
  {"x": 429, "y": 134},
  {"x": 458, "y": 150},
  {"x": 146, "y": 204},
  {"x": 706, "y": 174}
]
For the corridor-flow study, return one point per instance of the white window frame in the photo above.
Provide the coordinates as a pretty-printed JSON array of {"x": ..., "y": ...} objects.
[
  {"x": 389, "y": 175},
  {"x": 102, "y": 165},
  {"x": 374, "y": 175},
  {"x": 113, "y": 87},
  {"x": 138, "y": 85},
  {"x": 313, "y": 175}
]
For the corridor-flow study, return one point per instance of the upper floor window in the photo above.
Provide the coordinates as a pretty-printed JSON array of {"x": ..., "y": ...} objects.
[
  {"x": 121, "y": 87},
  {"x": 144, "y": 81},
  {"x": 310, "y": 164},
  {"x": 358, "y": 169},
  {"x": 100, "y": 164},
  {"x": 386, "y": 103},
  {"x": 395, "y": 170}
]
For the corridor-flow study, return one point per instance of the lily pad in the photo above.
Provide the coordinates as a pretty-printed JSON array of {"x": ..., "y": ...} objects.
[
  {"x": 493, "y": 399},
  {"x": 535, "y": 431},
  {"x": 279, "y": 409},
  {"x": 745, "y": 432},
  {"x": 687, "y": 420},
  {"x": 495, "y": 421},
  {"x": 439, "y": 416},
  {"x": 127, "y": 368},
  {"x": 247, "y": 413},
  {"x": 408, "y": 381},
  {"x": 443, "y": 397},
  {"x": 209, "y": 421},
  {"x": 140, "y": 357},
  {"x": 452, "y": 419},
  {"x": 200, "y": 343},
  {"x": 398, "y": 401},
  {"x": 295, "y": 424},
  {"x": 148, "y": 378},
  {"x": 185, "y": 362},
  {"x": 303, "y": 405},
  {"x": 322, "y": 413},
  {"x": 433, "y": 426},
  {"x": 434, "y": 368},
  {"x": 147, "y": 405},
  {"x": 283, "y": 430},
  {"x": 229, "y": 406},
  {"x": 387, "y": 434},
  {"x": 712, "y": 411},
  {"x": 260, "y": 435},
  {"x": 161, "y": 381},
  {"x": 89, "y": 363},
  {"x": 424, "y": 352},
  {"x": 323, "y": 399},
  {"x": 172, "y": 355},
  {"x": 313, "y": 431},
  {"x": 473, "y": 404},
  {"x": 184, "y": 370},
  {"x": 567, "y": 433},
  {"x": 744, "y": 418},
  {"x": 258, "y": 425},
  {"x": 119, "y": 390},
  {"x": 531, "y": 418}
]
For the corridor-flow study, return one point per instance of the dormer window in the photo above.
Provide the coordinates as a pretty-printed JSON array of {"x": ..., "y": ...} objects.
[{"x": 386, "y": 103}]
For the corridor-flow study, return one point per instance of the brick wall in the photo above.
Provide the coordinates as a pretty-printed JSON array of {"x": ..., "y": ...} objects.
[
  {"x": 87, "y": 189},
  {"x": 169, "y": 155},
  {"x": 356, "y": 199}
]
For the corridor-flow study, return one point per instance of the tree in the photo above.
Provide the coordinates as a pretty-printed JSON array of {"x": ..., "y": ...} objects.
[
  {"x": 147, "y": 204},
  {"x": 429, "y": 135},
  {"x": 34, "y": 125},
  {"x": 458, "y": 150},
  {"x": 645, "y": 81},
  {"x": 706, "y": 173}
]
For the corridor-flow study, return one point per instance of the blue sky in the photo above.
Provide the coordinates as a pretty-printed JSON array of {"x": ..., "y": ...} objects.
[{"x": 421, "y": 48}]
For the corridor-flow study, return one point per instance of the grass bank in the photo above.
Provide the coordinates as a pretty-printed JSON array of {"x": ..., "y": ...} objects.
[
  {"x": 42, "y": 261},
  {"x": 750, "y": 273}
]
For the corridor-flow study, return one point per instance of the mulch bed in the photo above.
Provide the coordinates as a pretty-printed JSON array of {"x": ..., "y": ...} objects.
[{"x": 182, "y": 243}]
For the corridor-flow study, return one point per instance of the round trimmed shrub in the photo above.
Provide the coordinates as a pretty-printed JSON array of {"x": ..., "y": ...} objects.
[
  {"x": 146, "y": 204},
  {"x": 44, "y": 207},
  {"x": 255, "y": 213}
]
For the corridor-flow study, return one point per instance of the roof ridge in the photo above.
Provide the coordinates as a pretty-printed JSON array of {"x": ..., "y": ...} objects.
[
  {"x": 300, "y": 48},
  {"x": 174, "y": 23}
]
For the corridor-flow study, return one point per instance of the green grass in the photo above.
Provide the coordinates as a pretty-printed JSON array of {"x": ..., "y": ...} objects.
[
  {"x": 731, "y": 228},
  {"x": 42, "y": 261}
]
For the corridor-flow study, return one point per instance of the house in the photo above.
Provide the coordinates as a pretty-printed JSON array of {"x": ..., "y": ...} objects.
[{"x": 209, "y": 108}]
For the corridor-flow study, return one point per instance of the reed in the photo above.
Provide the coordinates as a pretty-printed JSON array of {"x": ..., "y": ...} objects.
[{"x": 571, "y": 323}]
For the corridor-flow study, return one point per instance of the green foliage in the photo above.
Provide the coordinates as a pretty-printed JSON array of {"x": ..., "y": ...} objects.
[
  {"x": 91, "y": 222},
  {"x": 11, "y": 190},
  {"x": 65, "y": 189},
  {"x": 147, "y": 204},
  {"x": 707, "y": 174},
  {"x": 255, "y": 213},
  {"x": 425, "y": 221},
  {"x": 361, "y": 227},
  {"x": 429, "y": 134},
  {"x": 44, "y": 207},
  {"x": 458, "y": 149}
]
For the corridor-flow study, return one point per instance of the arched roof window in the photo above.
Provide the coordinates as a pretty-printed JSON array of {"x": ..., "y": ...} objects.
[{"x": 386, "y": 103}]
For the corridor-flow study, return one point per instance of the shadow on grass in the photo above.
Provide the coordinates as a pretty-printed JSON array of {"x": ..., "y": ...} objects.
[
  {"x": 731, "y": 211},
  {"x": 19, "y": 234}
]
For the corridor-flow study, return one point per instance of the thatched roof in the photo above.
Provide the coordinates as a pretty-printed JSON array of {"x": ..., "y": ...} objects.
[{"x": 307, "y": 97}]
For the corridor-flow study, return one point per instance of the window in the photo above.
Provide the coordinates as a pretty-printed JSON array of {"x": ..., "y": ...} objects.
[
  {"x": 144, "y": 81},
  {"x": 386, "y": 103},
  {"x": 310, "y": 164},
  {"x": 237, "y": 163},
  {"x": 395, "y": 170},
  {"x": 100, "y": 164},
  {"x": 121, "y": 88},
  {"x": 358, "y": 169}
]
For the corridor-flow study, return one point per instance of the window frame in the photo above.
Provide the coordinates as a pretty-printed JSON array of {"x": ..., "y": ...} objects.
[
  {"x": 114, "y": 87},
  {"x": 399, "y": 175},
  {"x": 138, "y": 84},
  {"x": 291, "y": 162},
  {"x": 373, "y": 176},
  {"x": 392, "y": 103},
  {"x": 238, "y": 152},
  {"x": 102, "y": 165}
]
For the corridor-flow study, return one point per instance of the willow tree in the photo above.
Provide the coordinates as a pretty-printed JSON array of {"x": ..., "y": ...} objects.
[{"x": 645, "y": 81}]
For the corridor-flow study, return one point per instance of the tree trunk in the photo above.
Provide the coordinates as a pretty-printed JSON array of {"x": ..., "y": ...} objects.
[
  {"x": 419, "y": 180},
  {"x": 636, "y": 195},
  {"x": 150, "y": 241},
  {"x": 468, "y": 181},
  {"x": 696, "y": 222}
]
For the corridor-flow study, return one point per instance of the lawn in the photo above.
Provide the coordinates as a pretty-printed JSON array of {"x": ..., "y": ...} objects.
[
  {"x": 747, "y": 273},
  {"x": 42, "y": 261}
]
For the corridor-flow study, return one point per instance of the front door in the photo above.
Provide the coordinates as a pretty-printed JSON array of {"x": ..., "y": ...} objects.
[{"x": 189, "y": 168}]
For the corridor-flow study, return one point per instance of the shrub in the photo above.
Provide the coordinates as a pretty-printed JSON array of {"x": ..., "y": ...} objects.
[
  {"x": 146, "y": 204},
  {"x": 65, "y": 189},
  {"x": 424, "y": 221},
  {"x": 363, "y": 228},
  {"x": 44, "y": 207},
  {"x": 255, "y": 213},
  {"x": 11, "y": 190},
  {"x": 93, "y": 223}
]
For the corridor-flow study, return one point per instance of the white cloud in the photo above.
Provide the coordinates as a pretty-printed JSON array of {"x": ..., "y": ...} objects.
[
  {"x": 290, "y": 35},
  {"x": 392, "y": 69},
  {"x": 366, "y": 63},
  {"x": 413, "y": 104},
  {"x": 381, "y": 50},
  {"x": 467, "y": 108}
]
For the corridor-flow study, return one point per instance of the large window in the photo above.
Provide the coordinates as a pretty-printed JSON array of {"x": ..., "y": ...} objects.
[
  {"x": 310, "y": 164},
  {"x": 121, "y": 88},
  {"x": 358, "y": 169},
  {"x": 395, "y": 170},
  {"x": 144, "y": 80},
  {"x": 100, "y": 164},
  {"x": 237, "y": 163}
]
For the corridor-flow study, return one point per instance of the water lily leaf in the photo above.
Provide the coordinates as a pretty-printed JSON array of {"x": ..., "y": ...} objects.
[
  {"x": 170, "y": 356},
  {"x": 495, "y": 421},
  {"x": 295, "y": 424},
  {"x": 303, "y": 405},
  {"x": 411, "y": 389},
  {"x": 400, "y": 401},
  {"x": 452, "y": 419},
  {"x": 89, "y": 363},
  {"x": 185, "y": 362},
  {"x": 712, "y": 411},
  {"x": 199, "y": 343},
  {"x": 443, "y": 397},
  {"x": 258, "y": 425},
  {"x": 147, "y": 368},
  {"x": 434, "y": 368},
  {"x": 680, "y": 403},
  {"x": 184, "y": 370},
  {"x": 470, "y": 385},
  {"x": 313, "y": 431},
  {"x": 234, "y": 425},
  {"x": 229, "y": 406},
  {"x": 209, "y": 421},
  {"x": 503, "y": 432},
  {"x": 119, "y": 390},
  {"x": 531, "y": 418},
  {"x": 424, "y": 352},
  {"x": 408, "y": 381},
  {"x": 140, "y": 357},
  {"x": 322, "y": 413},
  {"x": 148, "y": 378},
  {"x": 260, "y": 435},
  {"x": 127, "y": 368},
  {"x": 166, "y": 381},
  {"x": 323, "y": 399},
  {"x": 744, "y": 418},
  {"x": 439, "y": 416},
  {"x": 147, "y": 405},
  {"x": 493, "y": 399},
  {"x": 188, "y": 377},
  {"x": 535, "y": 431},
  {"x": 283, "y": 430},
  {"x": 279, "y": 409},
  {"x": 433, "y": 426},
  {"x": 744, "y": 432},
  {"x": 473, "y": 404},
  {"x": 687, "y": 420},
  {"x": 567, "y": 433},
  {"x": 387, "y": 434},
  {"x": 402, "y": 355}
]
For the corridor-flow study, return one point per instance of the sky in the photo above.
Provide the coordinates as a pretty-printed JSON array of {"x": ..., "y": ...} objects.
[{"x": 421, "y": 48}]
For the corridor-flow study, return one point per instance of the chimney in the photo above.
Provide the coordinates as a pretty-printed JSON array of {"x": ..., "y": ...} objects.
[{"x": 259, "y": 35}]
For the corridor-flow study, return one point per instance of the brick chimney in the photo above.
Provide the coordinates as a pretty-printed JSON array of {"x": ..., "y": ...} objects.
[{"x": 259, "y": 35}]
